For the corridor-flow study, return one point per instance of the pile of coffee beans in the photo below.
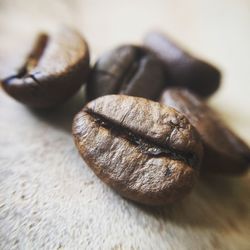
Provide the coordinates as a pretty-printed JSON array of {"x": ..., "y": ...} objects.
[{"x": 147, "y": 131}]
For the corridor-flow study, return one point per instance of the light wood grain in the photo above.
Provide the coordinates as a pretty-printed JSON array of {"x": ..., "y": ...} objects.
[{"x": 50, "y": 199}]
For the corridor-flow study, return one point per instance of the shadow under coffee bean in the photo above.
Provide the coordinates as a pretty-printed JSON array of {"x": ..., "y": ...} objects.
[
  {"x": 182, "y": 68},
  {"x": 224, "y": 151},
  {"x": 54, "y": 68},
  {"x": 146, "y": 151},
  {"x": 129, "y": 70}
]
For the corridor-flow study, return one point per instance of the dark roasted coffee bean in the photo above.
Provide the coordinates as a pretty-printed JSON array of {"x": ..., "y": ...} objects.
[
  {"x": 224, "y": 151},
  {"x": 183, "y": 68},
  {"x": 52, "y": 69},
  {"x": 129, "y": 70},
  {"x": 146, "y": 151}
]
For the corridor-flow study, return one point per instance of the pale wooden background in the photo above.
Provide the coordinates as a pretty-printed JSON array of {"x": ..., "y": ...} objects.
[{"x": 49, "y": 199}]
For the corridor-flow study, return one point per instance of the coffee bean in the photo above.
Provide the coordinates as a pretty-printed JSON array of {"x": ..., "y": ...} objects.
[
  {"x": 224, "y": 151},
  {"x": 146, "y": 151},
  {"x": 50, "y": 71},
  {"x": 127, "y": 70},
  {"x": 183, "y": 68}
]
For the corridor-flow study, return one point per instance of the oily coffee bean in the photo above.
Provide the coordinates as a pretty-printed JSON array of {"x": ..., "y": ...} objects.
[
  {"x": 127, "y": 70},
  {"x": 184, "y": 69},
  {"x": 146, "y": 151},
  {"x": 52, "y": 68},
  {"x": 224, "y": 151}
]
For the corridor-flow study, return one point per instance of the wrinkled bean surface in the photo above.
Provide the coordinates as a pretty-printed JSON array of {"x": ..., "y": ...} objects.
[
  {"x": 224, "y": 151},
  {"x": 146, "y": 151}
]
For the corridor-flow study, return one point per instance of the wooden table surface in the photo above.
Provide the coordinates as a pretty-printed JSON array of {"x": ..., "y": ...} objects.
[{"x": 50, "y": 199}]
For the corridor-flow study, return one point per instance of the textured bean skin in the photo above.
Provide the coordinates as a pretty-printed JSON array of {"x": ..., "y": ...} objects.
[
  {"x": 129, "y": 70},
  {"x": 146, "y": 151},
  {"x": 224, "y": 151},
  {"x": 184, "y": 69},
  {"x": 53, "y": 67}
]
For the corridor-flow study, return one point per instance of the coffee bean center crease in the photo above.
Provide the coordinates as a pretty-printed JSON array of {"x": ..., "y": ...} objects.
[
  {"x": 145, "y": 145},
  {"x": 130, "y": 72},
  {"x": 32, "y": 59}
]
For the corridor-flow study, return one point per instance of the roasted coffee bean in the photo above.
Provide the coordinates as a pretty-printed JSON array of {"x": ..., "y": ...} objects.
[
  {"x": 146, "y": 151},
  {"x": 182, "y": 68},
  {"x": 129, "y": 70},
  {"x": 224, "y": 151},
  {"x": 50, "y": 71}
]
